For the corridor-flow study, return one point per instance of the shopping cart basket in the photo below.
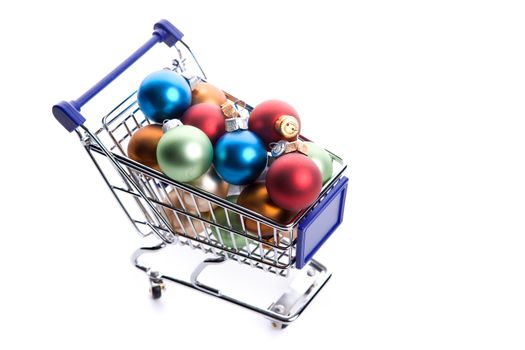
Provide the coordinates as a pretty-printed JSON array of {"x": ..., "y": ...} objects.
[{"x": 147, "y": 197}]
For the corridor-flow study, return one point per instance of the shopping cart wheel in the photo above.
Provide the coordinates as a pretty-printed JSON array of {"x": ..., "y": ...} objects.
[
  {"x": 279, "y": 325},
  {"x": 157, "y": 284},
  {"x": 156, "y": 291}
]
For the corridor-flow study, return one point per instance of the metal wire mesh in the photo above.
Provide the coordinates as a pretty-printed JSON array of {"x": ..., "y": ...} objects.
[{"x": 181, "y": 214}]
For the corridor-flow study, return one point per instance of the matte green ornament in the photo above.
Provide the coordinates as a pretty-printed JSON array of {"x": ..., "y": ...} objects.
[
  {"x": 322, "y": 159},
  {"x": 225, "y": 235},
  {"x": 184, "y": 153}
]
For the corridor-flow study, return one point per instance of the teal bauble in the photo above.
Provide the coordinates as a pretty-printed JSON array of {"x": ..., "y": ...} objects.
[
  {"x": 184, "y": 153},
  {"x": 322, "y": 159},
  {"x": 226, "y": 236}
]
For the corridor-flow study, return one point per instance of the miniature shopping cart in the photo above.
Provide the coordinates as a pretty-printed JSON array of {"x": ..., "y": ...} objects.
[{"x": 142, "y": 192}]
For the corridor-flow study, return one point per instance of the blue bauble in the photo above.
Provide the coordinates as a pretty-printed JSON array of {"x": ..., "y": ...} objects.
[
  {"x": 239, "y": 157},
  {"x": 164, "y": 95}
]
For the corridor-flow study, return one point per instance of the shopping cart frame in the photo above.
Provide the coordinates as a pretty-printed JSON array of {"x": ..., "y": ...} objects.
[{"x": 146, "y": 185}]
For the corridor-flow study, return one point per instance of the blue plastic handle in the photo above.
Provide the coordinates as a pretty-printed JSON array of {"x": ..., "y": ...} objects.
[
  {"x": 68, "y": 113},
  {"x": 316, "y": 227}
]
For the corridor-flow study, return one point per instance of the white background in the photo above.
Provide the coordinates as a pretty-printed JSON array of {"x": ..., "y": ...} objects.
[{"x": 431, "y": 95}]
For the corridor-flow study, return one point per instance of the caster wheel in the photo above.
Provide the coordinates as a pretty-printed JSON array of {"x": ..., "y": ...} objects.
[
  {"x": 279, "y": 325},
  {"x": 156, "y": 291}
]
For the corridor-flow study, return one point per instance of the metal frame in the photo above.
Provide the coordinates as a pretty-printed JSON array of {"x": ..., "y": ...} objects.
[{"x": 286, "y": 309}]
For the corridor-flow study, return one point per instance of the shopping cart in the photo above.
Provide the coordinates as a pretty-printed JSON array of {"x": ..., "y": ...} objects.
[{"x": 147, "y": 197}]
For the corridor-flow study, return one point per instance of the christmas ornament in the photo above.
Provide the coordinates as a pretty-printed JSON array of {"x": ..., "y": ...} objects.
[
  {"x": 274, "y": 120},
  {"x": 163, "y": 95},
  {"x": 322, "y": 159},
  {"x": 184, "y": 152},
  {"x": 255, "y": 198},
  {"x": 207, "y": 93},
  {"x": 206, "y": 117},
  {"x": 293, "y": 180},
  {"x": 229, "y": 239},
  {"x": 209, "y": 182},
  {"x": 142, "y": 146},
  {"x": 239, "y": 155},
  {"x": 180, "y": 223}
]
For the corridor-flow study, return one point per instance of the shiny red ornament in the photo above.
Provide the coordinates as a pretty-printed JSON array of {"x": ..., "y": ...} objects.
[
  {"x": 293, "y": 181},
  {"x": 274, "y": 120},
  {"x": 208, "y": 117}
]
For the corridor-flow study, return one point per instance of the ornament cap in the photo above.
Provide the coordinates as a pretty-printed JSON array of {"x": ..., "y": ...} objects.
[
  {"x": 193, "y": 80},
  {"x": 287, "y": 126},
  {"x": 169, "y": 124},
  {"x": 229, "y": 110},
  {"x": 284, "y": 147},
  {"x": 238, "y": 123}
]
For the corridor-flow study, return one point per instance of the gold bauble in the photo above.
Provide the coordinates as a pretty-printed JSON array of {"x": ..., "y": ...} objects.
[
  {"x": 142, "y": 146},
  {"x": 207, "y": 93},
  {"x": 209, "y": 182},
  {"x": 255, "y": 198},
  {"x": 187, "y": 221}
]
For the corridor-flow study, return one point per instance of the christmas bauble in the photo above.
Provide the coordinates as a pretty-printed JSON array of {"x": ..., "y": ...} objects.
[
  {"x": 180, "y": 223},
  {"x": 322, "y": 159},
  {"x": 142, "y": 146},
  {"x": 229, "y": 239},
  {"x": 255, "y": 198},
  {"x": 184, "y": 153},
  {"x": 209, "y": 182},
  {"x": 206, "y": 117},
  {"x": 293, "y": 181},
  {"x": 239, "y": 157},
  {"x": 274, "y": 120},
  {"x": 207, "y": 93},
  {"x": 163, "y": 95}
]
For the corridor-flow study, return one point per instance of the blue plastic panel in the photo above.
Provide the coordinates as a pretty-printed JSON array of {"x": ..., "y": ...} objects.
[{"x": 320, "y": 223}]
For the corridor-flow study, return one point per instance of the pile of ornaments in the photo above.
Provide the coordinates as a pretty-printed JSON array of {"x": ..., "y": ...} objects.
[{"x": 198, "y": 137}]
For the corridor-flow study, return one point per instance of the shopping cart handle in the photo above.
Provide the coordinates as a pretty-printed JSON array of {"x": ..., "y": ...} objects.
[{"x": 68, "y": 113}]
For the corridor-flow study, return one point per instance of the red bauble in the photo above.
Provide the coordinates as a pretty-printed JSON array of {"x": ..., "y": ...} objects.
[
  {"x": 207, "y": 117},
  {"x": 293, "y": 181},
  {"x": 275, "y": 120}
]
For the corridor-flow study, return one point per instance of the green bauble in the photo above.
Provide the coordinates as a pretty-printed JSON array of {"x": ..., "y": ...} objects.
[
  {"x": 226, "y": 236},
  {"x": 184, "y": 153},
  {"x": 322, "y": 159}
]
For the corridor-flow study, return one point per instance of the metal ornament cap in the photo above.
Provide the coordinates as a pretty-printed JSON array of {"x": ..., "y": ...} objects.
[
  {"x": 234, "y": 124},
  {"x": 169, "y": 124},
  {"x": 193, "y": 80},
  {"x": 287, "y": 126},
  {"x": 283, "y": 147},
  {"x": 229, "y": 110}
]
